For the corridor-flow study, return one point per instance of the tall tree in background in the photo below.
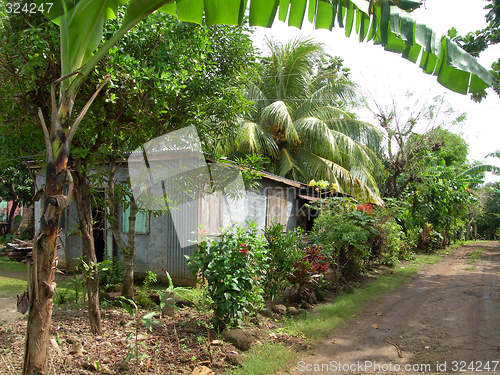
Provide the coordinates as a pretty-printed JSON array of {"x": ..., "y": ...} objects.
[
  {"x": 480, "y": 40},
  {"x": 301, "y": 120},
  {"x": 411, "y": 132}
]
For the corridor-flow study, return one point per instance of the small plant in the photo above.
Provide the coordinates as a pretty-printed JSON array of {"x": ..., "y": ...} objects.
[
  {"x": 167, "y": 297},
  {"x": 284, "y": 251},
  {"x": 308, "y": 271},
  {"x": 204, "y": 309},
  {"x": 142, "y": 296},
  {"x": 133, "y": 347},
  {"x": 232, "y": 269}
]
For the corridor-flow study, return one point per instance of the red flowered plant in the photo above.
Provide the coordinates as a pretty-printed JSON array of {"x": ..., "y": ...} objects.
[
  {"x": 312, "y": 266},
  {"x": 367, "y": 207},
  {"x": 243, "y": 248}
]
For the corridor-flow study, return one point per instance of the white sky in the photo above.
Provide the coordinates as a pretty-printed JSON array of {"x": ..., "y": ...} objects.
[{"x": 385, "y": 74}]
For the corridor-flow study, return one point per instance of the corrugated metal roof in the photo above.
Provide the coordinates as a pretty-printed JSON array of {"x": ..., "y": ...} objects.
[
  {"x": 309, "y": 198},
  {"x": 283, "y": 180}
]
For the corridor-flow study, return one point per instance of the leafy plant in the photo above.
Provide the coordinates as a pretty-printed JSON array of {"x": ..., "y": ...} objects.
[
  {"x": 232, "y": 268},
  {"x": 284, "y": 251},
  {"x": 112, "y": 275},
  {"x": 311, "y": 267},
  {"x": 142, "y": 296},
  {"x": 167, "y": 297},
  {"x": 346, "y": 229},
  {"x": 134, "y": 343}
]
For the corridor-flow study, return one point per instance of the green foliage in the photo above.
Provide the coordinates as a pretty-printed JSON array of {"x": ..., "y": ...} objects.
[
  {"x": 167, "y": 297},
  {"x": 301, "y": 120},
  {"x": 113, "y": 274},
  {"x": 142, "y": 296},
  {"x": 134, "y": 345},
  {"x": 308, "y": 271},
  {"x": 284, "y": 251},
  {"x": 346, "y": 231},
  {"x": 489, "y": 218},
  {"x": 232, "y": 268}
]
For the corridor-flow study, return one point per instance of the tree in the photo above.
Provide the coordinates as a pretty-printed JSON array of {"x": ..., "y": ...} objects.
[
  {"x": 301, "y": 120},
  {"x": 489, "y": 220},
  {"x": 80, "y": 26},
  {"x": 24, "y": 75},
  {"x": 478, "y": 41},
  {"x": 157, "y": 89},
  {"x": 412, "y": 130}
]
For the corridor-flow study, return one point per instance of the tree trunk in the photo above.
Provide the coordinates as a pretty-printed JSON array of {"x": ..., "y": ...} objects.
[
  {"x": 41, "y": 285},
  {"x": 84, "y": 210},
  {"x": 12, "y": 213},
  {"x": 128, "y": 254},
  {"x": 127, "y": 251}
]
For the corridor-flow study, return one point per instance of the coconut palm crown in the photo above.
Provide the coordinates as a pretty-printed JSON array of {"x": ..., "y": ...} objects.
[{"x": 301, "y": 122}]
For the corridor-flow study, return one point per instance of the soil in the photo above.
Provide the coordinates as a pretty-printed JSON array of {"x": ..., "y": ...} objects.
[
  {"x": 175, "y": 346},
  {"x": 447, "y": 315},
  {"x": 445, "y": 320}
]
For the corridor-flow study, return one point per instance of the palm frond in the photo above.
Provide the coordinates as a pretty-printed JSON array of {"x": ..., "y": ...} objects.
[
  {"x": 253, "y": 138},
  {"x": 478, "y": 169},
  {"x": 277, "y": 115},
  {"x": 287, "y": 166},
  {"x": 321, "y": 168}
]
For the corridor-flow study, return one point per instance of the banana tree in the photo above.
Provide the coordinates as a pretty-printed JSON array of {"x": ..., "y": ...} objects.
[{"x": 386, "y": 22}]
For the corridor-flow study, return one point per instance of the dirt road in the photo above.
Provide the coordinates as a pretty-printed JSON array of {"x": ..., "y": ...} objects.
[{"x": 446, "y": 320}]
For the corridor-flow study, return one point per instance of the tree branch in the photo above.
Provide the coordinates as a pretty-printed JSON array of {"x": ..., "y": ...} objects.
[
  {"x": 80, "y": 117},
  {"x": 46, "y": 135},
  {"x": 53, "y": 97}
]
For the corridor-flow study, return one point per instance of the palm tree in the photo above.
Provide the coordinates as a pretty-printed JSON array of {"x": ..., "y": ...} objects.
[{"x": 301, "y": 122}]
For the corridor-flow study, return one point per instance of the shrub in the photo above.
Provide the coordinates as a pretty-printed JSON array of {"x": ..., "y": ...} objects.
[
  {"x": 311, "y": 267},
  {"x": 346, "y": 231},
  {"x": 232, "y": 268},
  {"x": 284, "y": 251}
]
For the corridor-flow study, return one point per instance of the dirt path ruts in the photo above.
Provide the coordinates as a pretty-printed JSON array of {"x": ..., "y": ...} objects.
[{"x": 446, "y": 313}]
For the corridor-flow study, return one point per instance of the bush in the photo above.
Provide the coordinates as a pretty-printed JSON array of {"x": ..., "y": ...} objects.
[
  {"x": 284, "y": 251},
  {"x": 346, "y": 230},
  {"x": 309, "y": 271},
  {"x": 232, "y": 268}
]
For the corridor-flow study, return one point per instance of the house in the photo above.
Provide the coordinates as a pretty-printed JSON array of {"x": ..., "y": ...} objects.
[
  {"x": 160, "y": 247},
  {"x": 178, "y": 191}
]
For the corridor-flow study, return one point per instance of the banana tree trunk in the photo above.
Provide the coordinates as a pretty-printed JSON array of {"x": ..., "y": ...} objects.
[
  {"x": 84, "y": 210},
  {"x": 128, "y": 254},
  {"x": 41, "y": 285}
]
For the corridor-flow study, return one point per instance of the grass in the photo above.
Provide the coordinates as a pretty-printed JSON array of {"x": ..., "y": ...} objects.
[
  {"x": 272, "y": 358},
  {"x": 7, "y": 264},
  {"x": 470, "y": 268},
  {"x": 11, "y": 286},
  {"x": 266, "y": 359},
  {"x": 476, "y": 255},
  {"x": 330, "y": 316}
]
